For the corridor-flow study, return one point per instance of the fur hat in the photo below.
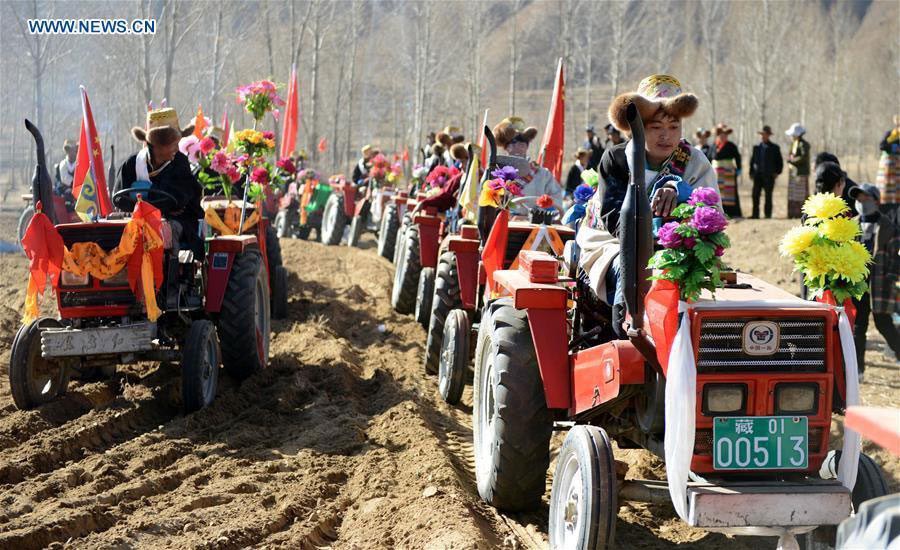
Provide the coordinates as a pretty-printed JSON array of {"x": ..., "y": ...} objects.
[
  {"x": 655, "y": 93},
  {"x": 580, "y": 152},
  {"x": 702, "y": 133},
  {"x": 366, "y": 150},
  {"x": 459, "y": 151},
  {"x": 449, "y": 135},
  {"x": 437, "y": 149},
  {"x": 513, "y": 128},
  {"x": 722, "y": 128},
  {"x": 161, "y": 128},
  {"x": 70, "y": 144}
]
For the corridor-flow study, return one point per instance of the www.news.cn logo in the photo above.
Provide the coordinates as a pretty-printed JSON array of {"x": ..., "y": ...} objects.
[{"x": 92, "y": 26}]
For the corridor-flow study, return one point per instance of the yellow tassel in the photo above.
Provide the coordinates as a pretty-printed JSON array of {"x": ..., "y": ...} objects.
[
  {"x": 32, "y": 311},
  {"x": 153, "y": 311}
]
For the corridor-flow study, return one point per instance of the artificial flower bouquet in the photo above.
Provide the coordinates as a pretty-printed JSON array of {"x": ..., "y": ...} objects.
[
  {"x": 825, "y": 249},
  {"x": 259, "y": 98},
  {"x": 693, "y": 245},
  {"x": 500, "y": 191}
]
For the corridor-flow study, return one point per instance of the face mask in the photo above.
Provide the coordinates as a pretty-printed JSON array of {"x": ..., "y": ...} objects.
[{"x": 866, "y": 208}]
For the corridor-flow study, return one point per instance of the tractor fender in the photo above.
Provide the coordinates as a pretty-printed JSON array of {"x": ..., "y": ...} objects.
[
  {"x": 429, "y": 237},
  {"x": 349, "y": 191},
  {"x": 599, "y": 372},
  {"x": 220, "y": 260},
  {"x": 467, "y": 256}
]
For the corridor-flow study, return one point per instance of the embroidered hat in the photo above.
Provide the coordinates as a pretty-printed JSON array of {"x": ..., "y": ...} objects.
[
  {"x": 654, "y": 93},
  {"x": 161, "y": 127}
]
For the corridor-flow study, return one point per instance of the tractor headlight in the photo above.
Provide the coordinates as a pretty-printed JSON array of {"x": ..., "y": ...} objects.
[
  {"x": 724, "y": 399},
  {"x": 797, "y": 398},
  {"x": 119, "y": 279},
  {"x": 71, "y": 279}
]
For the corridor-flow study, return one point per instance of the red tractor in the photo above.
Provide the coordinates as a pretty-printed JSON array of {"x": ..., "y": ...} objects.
[
  {"x": 360, "y": 206},
  {"x": 220, "y": 313},
  {"x": 769, "y": 375},
  {"x": 415, "y": 260},
  {"x": 301, "y": 206}
]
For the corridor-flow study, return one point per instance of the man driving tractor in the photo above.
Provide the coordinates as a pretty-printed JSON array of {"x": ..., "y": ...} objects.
[{"x": 674, "y": 168}]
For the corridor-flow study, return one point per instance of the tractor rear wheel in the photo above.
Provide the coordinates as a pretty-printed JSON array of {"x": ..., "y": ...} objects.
[
  {"x": 424, "y": 296},
  {"x": 200, "y": 360},
  {"x": 446, "y": 299},
  {"x": 357, "y": 226},
  {"x": 511, "y": 424},
  {"x": 387, "y": 232},
  {"x": 281, "y": 224},
  {"x": 334, "y": 220},
  {"x": 303, "y": 232},
  {"x": 24, "y": 220},
  {"x": 34, "y": 380},
  {"x": 406, "y": 275},
  {"x": 454, "y": 360},
  {"x": 243, "y": 323},
  {"x": 279, "y": 292},
  {"x": 583, "y": 504}
]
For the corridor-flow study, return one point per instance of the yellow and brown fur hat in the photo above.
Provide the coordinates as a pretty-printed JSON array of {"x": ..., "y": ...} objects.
[
  {"x": 659, "y": 92},
  {"x": 512, "y": 128},
  {"x": 161, "y": 128}
]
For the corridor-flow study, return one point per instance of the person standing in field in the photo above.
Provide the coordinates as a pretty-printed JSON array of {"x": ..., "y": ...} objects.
[
  {"x": 593, "y": 145},
  {"x": 766, "y": 164},
  {"x": 798, "y": 175},
  {"x": 727, "y": 163},
  {"x": 701, "y": 141},
  {"x": 573, "y": 179},
  {"x": 888, "y": 180}
]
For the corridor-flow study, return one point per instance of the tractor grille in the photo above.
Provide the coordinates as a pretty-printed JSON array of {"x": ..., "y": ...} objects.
[
  {"x": 801, "y": 347},
  {"x": 96, "y": 299}
]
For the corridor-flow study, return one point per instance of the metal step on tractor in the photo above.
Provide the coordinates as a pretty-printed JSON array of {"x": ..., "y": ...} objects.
[
  {"x": 359, "y": 206},
  {"x": 460, "y": 282},
  {"x": 214, "y": 311},
  {"x": 769, "y": 375}
]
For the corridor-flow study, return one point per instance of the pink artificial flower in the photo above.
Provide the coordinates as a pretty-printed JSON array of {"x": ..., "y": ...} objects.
[
  {"x": 234, "y": 174},
  {"x": 690, "y": 242},
  {"x": 514, "y": 188},
  {"x": 206, "y": 145},
  {"x": 667, "y": 236},
  {"x": 720, "y": 250},
  {"x": 495, "y": 184},
  {"x": 260, "y": 175},
  {"x": 268, "y": 135},
  {"x": 220, "y": 164}
]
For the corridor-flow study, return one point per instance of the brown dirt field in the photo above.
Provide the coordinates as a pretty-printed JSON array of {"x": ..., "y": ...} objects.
[{"x": 342, "y": 442}]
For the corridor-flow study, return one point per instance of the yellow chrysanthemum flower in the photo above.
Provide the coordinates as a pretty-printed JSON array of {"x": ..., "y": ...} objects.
[
  {"x": 797, "y": 240},
  {"x": 818, "y": 261},
  {"x": 850, "y": 260},
  {"x": 270, "y": 143},
  {"x": 823, "y": 206},
  {"x": 839, "y": 229}
]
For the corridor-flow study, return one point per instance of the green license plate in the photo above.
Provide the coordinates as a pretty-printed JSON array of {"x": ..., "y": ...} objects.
[{"x": 760, "y": 443}]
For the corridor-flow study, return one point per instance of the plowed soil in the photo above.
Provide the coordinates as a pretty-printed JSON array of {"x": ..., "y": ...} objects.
[{"x": 342, "y": 442}]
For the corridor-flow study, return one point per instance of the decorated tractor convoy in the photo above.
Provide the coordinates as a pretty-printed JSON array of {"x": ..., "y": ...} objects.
[{"x": 730, "y": 380}]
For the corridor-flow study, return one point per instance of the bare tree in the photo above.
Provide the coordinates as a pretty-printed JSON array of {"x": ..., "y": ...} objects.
[
  {"x": 323, "y": 13},
  {"x": 174, "y": 37},
  {"x": 710, "y": 17},
  {"x": 514, "y": 55}
]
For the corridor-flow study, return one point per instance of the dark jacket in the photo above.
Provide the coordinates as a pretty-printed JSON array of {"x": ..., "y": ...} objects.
[
  {"x": 358, "y": 172},
  {"x": 177, "y": 180},
  {"x": 728, "y": 151},
  {"x": 800, "y": 161},
  {"x": 766, "y": 161},
  {"x": 573, "y": 179},
  {"x": 596, "y": 149}
]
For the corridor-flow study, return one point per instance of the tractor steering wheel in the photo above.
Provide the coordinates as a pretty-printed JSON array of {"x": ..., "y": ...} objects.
[{"x": 125, "y": 199}]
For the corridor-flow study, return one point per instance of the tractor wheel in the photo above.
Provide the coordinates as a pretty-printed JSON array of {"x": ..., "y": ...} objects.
[
  {"x": 583, "y": 504},
  {"x": 273, "y": 248},
  {"x": 387, "y": 232},
  {"x": 279, "y": 292},
  {"x": 34, "y": 380},
  {"x": 357, "y": 226},
  {"x": 511, "y": 424},
  {"x": 454, "y": 361},
  {"x": 303, "y": 232},
  {"x": 424, "y": 296},
  {"x": 281, "y": 224},
  {"x": 650, "y": 403},
  {"x": 446, "y": 299},
  {"x": 24, "y": 220},
  {"x": 200, "y": 360},
  {"x": 244, "y": 319},
  {"x": 334, "y": 219},
  {"x": 406, "y": 275}
]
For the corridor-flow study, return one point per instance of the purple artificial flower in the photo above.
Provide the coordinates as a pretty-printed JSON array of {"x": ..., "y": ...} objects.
[
  {"x": 720, "y": 250},
  {"x": 706, "y": 195},
  {"x": 690, "y": 242},
  {"x": 668, "y": 238},
  {"x": 708, "y": 220},
  {"x": 495, "y": 184},
  {"x": 583, "y": 193},
  {"x": 506, "y": 173}
]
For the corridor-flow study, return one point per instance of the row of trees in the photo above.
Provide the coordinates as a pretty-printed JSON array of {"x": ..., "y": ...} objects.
[{"x": 390, "y": 71}]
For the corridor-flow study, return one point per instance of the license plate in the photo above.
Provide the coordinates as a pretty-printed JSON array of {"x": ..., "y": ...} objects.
[{"x": 760, "y": 443}]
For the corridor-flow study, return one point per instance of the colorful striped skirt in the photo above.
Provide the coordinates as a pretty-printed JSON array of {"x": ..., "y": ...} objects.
[
  {"x": 798, "y": 191},
  {"x": 888, "y": 180},
  {"x": 726, "y": 174}
]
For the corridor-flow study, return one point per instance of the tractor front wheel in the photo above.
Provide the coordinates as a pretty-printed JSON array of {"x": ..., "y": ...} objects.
[
  {"x": 446, "y": 299},
  {"x": 387, "y": 232},
  {"x": 334, "y": 220},
  {"x": 583, "y": 504},
  {"x": 279, "y": 292},
  {"x": 511, "y": 424},
  {"x": 24, "y": 220},
  {"x": 200, "y": 360},
  {"x": 245, "y": 316},
  {"x": 454, "y": 360},
  {"x": 424, "y": 296},
  {"x": 34, "y": 380},
  {"x": 357, "y": 226}
]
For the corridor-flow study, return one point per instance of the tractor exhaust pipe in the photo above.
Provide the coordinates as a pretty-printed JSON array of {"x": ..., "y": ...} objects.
[
  {"x": 487, "y": 214},
  {"x": 41, "y": 187},
  {"x": 636, "y": 238}
]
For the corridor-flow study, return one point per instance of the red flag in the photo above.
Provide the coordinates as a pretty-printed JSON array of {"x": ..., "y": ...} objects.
[
  {"x": 199, "y": 123},
  {"x": 90, "y": 158},
  {"x": 495, "y": 246},
  {"x": 225, "y": 127},
  {"x": 323, "y": 145},
  {"x": 553, "y": 143},
  {"x": 44, "y": 248},
  {"x": 291, "y": 117}
]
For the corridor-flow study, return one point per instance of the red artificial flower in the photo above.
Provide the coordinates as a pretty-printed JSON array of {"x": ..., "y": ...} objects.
[
  {"x": 260, "y": 175},
  {"x": 268, "y": 135},
  {"x": 287, "y": 165},
  {"x": 207, "y": 145},
  {"x": 545, "y": 201}
]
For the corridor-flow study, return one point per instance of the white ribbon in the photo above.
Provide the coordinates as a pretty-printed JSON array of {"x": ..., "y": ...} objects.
[
  {"x": 850, "y": 454},
  {"x": 681, "y": 407},
  {"x": 140, "y": 165}
]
